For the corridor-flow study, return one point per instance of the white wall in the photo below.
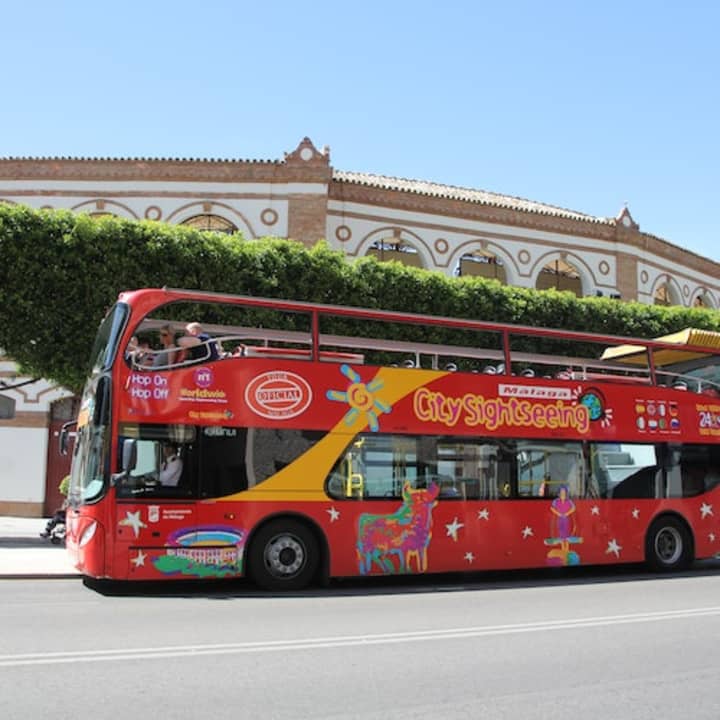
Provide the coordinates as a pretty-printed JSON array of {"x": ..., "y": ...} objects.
[
  {"x": 23, "y": 445},
  {"x": 23, "y": 455}
]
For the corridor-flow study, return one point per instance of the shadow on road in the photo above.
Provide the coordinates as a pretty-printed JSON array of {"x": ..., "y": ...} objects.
[
  {"x": 28, "y": 542},
  {"x": 410, "y": 584}
]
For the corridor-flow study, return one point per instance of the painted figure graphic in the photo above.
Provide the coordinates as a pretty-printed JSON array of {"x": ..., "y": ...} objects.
[
  {"x": 403, "y": 535},
  {"x": 563, "y": 529}
]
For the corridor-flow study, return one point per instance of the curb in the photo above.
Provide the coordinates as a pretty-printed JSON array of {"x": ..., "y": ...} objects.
[{"x": 40, "y": 576}]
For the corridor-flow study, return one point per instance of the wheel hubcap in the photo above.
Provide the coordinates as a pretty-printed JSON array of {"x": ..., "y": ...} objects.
[
  {"x": 668, "y": 545},
  {"x": 284, "y": 556}
]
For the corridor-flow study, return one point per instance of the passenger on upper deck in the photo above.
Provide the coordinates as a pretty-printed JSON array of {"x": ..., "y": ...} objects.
[
  {"x": 169, "y": 353},
  {"x": 132, "y": 347},
  {"x": 139, "y": 352},
  {"x": 200, "y": 346}
]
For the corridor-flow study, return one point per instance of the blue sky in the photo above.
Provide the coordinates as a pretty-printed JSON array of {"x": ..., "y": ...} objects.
[{"x": 578, "y": 104}]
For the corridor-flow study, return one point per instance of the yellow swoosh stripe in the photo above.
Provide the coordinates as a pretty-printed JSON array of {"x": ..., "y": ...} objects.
[{"x": 304, "y": 479}]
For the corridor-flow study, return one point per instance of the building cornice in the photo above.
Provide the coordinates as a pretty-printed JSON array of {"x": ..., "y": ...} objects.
[{"x": 161, "y": 170}]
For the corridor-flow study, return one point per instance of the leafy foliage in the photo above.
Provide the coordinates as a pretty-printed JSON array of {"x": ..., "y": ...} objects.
[{"x": 61, "y": 271}]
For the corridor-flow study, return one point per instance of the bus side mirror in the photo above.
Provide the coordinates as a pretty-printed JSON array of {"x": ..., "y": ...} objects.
[
  {"x": 63, "y": 439},
  {"x": 129, "y": 455},
  {"x": 129, "y": 460}
]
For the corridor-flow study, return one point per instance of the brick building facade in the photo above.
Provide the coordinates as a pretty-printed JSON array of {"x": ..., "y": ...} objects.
[
  {"x": 301, "y": 196},
  {"x": 445, "y": 228}
]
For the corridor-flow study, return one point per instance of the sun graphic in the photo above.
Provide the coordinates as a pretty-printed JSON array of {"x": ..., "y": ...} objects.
[{"x": 360, "y": 398}]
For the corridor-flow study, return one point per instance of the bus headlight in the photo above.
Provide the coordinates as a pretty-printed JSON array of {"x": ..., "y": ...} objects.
[{"x": 88, "y": 534}]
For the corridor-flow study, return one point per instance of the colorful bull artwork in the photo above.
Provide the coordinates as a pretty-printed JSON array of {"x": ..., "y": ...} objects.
[{"x": 392, "y": 542}]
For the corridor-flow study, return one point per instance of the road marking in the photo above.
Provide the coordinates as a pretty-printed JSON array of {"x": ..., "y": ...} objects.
[{"x": 174, "y": 651}]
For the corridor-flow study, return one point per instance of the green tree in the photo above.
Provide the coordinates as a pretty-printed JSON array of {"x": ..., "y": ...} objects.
[{"x": 61, "y": 272}]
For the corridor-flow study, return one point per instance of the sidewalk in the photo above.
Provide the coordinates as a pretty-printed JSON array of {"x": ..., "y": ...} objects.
[{"x": 24, "y": 554}]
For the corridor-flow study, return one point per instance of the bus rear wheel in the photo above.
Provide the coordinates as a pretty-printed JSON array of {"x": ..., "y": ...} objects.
[
  {"x": 668, "y": 546},
  {"x": 284, "y": 555}
]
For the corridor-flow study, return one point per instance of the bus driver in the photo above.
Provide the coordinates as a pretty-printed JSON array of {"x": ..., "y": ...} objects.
[{"x": 171, "y": 466}]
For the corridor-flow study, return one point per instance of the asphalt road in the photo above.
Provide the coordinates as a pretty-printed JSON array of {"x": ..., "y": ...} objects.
[{"x": 584, "y": 644}]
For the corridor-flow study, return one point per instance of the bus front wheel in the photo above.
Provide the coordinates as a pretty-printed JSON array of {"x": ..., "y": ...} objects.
[
  {"x": 284, "y": 555},
  {"x": 668, "y": 546}
]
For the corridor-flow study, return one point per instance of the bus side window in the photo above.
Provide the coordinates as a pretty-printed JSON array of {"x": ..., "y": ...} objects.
[
  {"x": 222, "y": 461},
  {"x": 627, "y": 470},
  {"x": 691, "y": 470},
  {"x": 546, "y": 467},
  {"x": 269, "y": 450},
  {"x": 347, "y": 479}
]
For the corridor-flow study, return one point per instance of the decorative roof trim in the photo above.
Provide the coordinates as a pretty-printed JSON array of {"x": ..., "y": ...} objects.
[
  {"x": 156, "y": 160},
  {"x": 452, "y": 192}
]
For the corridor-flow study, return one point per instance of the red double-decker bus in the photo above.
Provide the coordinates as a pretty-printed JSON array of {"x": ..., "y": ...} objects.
[{"x": 223, "y": 436}]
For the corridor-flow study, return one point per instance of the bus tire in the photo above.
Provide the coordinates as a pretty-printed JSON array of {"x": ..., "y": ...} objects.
[
  {"x": 284, "y": 555},
  {"x": 668, "y": 545}
]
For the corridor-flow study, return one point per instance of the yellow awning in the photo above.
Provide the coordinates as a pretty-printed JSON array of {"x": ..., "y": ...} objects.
[{"x": 693, "y": 337}]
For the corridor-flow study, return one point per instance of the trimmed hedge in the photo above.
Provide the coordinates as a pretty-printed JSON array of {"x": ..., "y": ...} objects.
[{"x": 61, "y": 271}]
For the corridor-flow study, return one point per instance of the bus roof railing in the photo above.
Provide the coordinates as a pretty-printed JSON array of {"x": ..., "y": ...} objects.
[
  {"x": 638, "y": 344},
  {"x": 638, "y": 359},
  {"x": 433, "y": 351}
]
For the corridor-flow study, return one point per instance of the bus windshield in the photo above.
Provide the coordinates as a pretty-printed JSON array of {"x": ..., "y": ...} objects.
[
  {"x": 90, "y": 466},
  {"x": 106, "y": 340},
  {"x": 89, "y": 460}
]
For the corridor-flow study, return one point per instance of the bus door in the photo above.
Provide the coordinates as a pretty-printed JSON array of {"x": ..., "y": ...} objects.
[{"x": 222, "y": 475}]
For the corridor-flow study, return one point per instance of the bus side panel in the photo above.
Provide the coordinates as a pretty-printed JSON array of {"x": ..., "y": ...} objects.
[
  {"x": 421, "y": 533},
  {"x": 161, "y": 540}
]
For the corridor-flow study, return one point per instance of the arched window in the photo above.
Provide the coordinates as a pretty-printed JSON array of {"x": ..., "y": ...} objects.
[
  {"x": 662, "y": 296},
  {"x": 395, "y": 249},
  {"x": 703, "y": 299},
  {"x": 560, "y": 275},
  {"x": 210, "y": 222},
  {"x": 666, "y": 294},
  {"x": 482, "y": 263}
]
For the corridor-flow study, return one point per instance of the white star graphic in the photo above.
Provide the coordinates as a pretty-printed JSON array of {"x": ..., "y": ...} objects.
[
  {"x": 613, "y": 548},
  {"x": 636, "y": 513},
  {"x": 132, "y": 519},
  {"x": 705, "y": 510},
  {"x": 453, "y": 527},
  {"x": 711, "y": 537},
  {"x": 469, "y": 557},
  {"x": 527, "y": 532},
  {"x": 333, "y": 513},
  {"x": 594, "y": 510},
  {"x": 483, "y": 514},
  {"x": 139, "y": 560}
]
